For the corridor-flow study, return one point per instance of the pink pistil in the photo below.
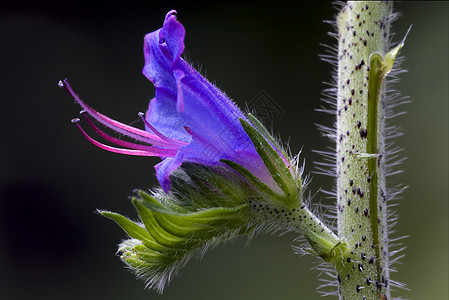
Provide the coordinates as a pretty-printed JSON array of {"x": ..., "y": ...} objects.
[
  {"x": 153, "y": 151},
  {"x": 125, "y": 143},
  {"x": 138, "y": 134},
  {"x": 157, "y": 143}
]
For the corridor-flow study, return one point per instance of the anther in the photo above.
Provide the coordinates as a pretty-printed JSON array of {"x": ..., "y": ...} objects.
[
  {"x": 75, "y": 120},
  {"x": 189, "y": 131}
]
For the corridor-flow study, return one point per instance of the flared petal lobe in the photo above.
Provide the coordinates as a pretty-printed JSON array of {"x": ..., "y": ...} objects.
[{"x": 189, "y": 108}]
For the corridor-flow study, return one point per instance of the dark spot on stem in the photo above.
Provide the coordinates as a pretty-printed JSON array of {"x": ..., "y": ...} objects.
[
  {"x": 379, "y": 159},
  {"x": 363, "y": 133},
  {"x": 360, "y": 267}
]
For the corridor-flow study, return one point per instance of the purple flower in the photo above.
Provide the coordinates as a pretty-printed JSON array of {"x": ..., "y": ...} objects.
[{"x": 189, "y": 120}]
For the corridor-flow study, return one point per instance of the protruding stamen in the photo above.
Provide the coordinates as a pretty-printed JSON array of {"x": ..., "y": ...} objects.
[
  {"x": 142, "y": 116},
  {"x": 138, "y": 134},
  {"x": 160, "y": 152},
  {"x": 156, "y": 150}
]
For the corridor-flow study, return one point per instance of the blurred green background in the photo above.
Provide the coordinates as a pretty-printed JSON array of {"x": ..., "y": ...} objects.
[{"x": 53, "y": 245}]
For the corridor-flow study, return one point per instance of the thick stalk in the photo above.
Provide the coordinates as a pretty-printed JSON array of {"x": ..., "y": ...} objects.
[{"x": 363, "y": 30}]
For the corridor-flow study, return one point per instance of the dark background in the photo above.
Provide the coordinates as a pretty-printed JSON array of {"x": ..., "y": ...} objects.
[{"x": 54, "y": 246}]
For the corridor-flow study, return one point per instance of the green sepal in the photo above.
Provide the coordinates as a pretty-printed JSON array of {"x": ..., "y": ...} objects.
[
  {"x": 197, "y": 187},
  {"x": 221, "y": 188},
  {"x": 263, "y": 130},
  {"x": 174, "y": 224},
  {"x": 262, "y": 188},
  {"x": 259, "y": 185},
  {"x": 133, "y": 229},
  {"x": 148, "y": 254},
  {"x": 272, "y": 160},
  {"x": 148, "y": 199},
  {"x": 159, "y": 234},
  {"x": 170, "y": 237},
  {"x": 178, "y": 227}
]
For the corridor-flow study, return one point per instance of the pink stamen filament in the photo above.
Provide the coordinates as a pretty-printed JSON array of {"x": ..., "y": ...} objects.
[
  {"x": 129, "y": 131},
  {"x": 155, "y": 151},
  {"x": 121, "y": 142}
]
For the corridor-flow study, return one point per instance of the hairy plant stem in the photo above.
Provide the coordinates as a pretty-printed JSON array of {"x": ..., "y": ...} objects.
[
  {"x": 324, "y": 243},
  {"x": 363, "y": 35}
]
